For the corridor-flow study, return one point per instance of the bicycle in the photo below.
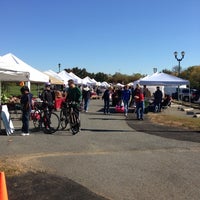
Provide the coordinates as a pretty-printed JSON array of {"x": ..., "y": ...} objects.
[
  {"x": 44, "y": 120},
  {"x": 69, "y": 114}
]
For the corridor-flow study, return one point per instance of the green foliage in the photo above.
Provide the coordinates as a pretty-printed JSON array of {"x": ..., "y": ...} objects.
[
  {"x": 10, "y": 89},
  {"x": 100, "y": 76},
  {"x": 193, "y": 75},
  {"x": 166, "y": 71},
  {"x": 4, "y": 99}
]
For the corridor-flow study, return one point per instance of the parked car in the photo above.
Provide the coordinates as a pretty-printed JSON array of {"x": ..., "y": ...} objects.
[
  {"x": 186, "y": 94},
  {"x": 196, "y": 95}
]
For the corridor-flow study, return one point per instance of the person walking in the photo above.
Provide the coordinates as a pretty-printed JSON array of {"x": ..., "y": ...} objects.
[
  {"x": 126, "y": 94},
  {"x": 106, "y": 98},
  {"x": 139, "y": 100},
  {"x": 86, "y": 94},
  {"x": 26, "y": 104}
]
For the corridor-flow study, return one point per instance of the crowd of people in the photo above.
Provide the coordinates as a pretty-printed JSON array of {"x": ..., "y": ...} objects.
[
  {"x": 123, "y": 98},
  {"x": 138, "y": 97}
]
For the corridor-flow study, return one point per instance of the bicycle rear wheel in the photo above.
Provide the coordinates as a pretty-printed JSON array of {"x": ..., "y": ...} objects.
[
  {"x": 63, "y": 119},
  {"x": 54, "y": 124},
  {"x": 36, "y": 117},
  {"x": 75, "y": 123}
]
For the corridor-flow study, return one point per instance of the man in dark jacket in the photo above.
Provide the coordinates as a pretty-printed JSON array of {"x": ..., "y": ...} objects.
[
  {"x": 106, "y": 98},
  {"x": 26, "y": 103},
  {"x": 48, "y": 98},
  {"x": 74, "y": 95},
  {"x": 158, "y": 95}
]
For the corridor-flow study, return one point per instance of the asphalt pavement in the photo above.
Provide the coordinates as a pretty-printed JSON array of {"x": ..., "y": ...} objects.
[{"x": 113, "y": 157}]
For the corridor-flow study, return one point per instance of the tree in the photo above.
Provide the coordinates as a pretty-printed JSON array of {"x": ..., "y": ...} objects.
[
  {"x": 193, "y": 75},
  {"x": 175, "y": 70},
  {"x": 166, "y": 71},
  {"x": 100, "y": 77}
]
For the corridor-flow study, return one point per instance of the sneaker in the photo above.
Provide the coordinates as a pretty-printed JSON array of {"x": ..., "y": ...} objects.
[{"x": 25, "y": 134}]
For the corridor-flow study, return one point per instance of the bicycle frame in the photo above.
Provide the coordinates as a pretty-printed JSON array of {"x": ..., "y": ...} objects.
[
  {"x": 44, "y": 122},
  {"x": 71, "y": 115}
]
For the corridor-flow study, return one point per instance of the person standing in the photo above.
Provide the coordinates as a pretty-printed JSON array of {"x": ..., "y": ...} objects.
[
  {"x": 26, "y": 103},
  {"x": 146, "y": 92},
  {"x": 106, "y": 98},
  {"x": 126, "y": 94},
  {"x": 139, "y": 100},
  {"x": 158, "y": 95},
  {"x": 73, "y": 94},
  {"x": 48, "y": 98},
  {"x": 86, "y": 93},
  {"x": 98, "y": 91}
]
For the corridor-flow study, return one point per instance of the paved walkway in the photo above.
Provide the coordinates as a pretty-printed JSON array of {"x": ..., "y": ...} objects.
[{"x": 111, "y": 158}]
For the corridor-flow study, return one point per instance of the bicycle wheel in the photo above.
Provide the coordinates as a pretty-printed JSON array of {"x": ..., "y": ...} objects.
[
  {"x": 36, "y": 117},
  {"x": 63, "y": 119},
  {"x": 54, "y": 124},
  {"x": 75, "y": 123}
]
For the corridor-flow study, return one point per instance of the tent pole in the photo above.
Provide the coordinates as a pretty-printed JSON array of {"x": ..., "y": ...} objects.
[{"x": 190, "y": 96}]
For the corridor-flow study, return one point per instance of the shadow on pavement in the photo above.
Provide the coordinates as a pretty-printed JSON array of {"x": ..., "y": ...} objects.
[
  {"x": 106, "y": 130},
  {"x": 110, "y": 118},
  {"x": 42, "y": 186},
  {"x": 164, "y": 131}
]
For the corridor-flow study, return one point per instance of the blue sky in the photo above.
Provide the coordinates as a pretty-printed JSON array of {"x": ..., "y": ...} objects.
[{"x": 126, "y": 36}]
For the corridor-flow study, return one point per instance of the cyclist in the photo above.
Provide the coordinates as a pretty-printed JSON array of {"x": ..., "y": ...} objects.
[
  {"x": 74, "y": 95},
  {"x": 48, "y": 98}
]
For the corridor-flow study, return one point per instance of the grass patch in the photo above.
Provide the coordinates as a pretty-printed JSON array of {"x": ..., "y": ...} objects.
[
  {"x": 175, "y": 121},
  {"x": 10, "y": 168}
]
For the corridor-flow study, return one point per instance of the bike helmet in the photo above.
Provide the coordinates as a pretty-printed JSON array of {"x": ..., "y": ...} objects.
[{"x": 47, "y": 84}]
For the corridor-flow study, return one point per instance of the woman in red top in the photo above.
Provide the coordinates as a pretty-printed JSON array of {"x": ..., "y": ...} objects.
[{"x": 139, "y": 100}]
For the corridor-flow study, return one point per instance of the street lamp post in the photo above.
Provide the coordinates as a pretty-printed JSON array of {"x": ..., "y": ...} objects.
[
  {"x": 179, "y": 65},
  {"x": 59, "y": 67},
  {"x": 179, "y": 60},
  {"x": 154, "y": 70}
]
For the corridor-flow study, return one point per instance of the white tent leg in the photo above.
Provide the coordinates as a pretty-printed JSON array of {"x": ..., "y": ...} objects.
[{"x": 28, "y": 83}]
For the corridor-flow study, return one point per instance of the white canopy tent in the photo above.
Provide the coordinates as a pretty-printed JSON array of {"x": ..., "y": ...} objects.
[
  {"x": 14, "y": 63},
  {"x": 163, "y": 79},
  {"x": 120, "y": 85},
  {"x": 77, "y": 79},
  {"x": 65, "y": 76},
  {"x": 12, "y": 75},
  {"x": 95, "y": 82},
  {"x": 88, "y": 81},
  {"x": 54, "y": 77},
  {"x": 105, "y": 84}
]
